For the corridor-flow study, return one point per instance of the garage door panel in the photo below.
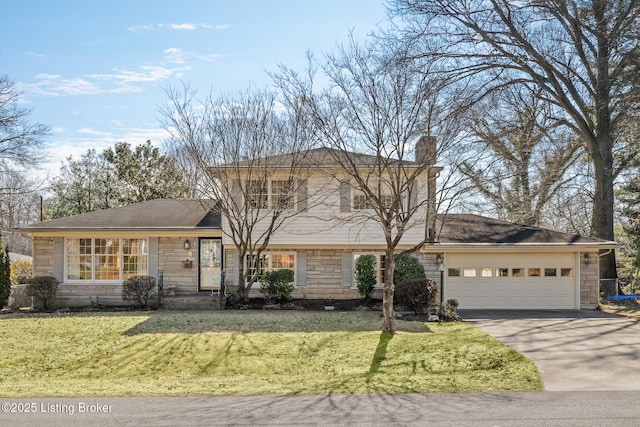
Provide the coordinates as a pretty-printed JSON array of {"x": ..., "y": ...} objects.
[{"x": 549, "y": 290}]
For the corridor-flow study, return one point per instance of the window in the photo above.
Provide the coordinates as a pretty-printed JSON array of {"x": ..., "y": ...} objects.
[
  {"x": 271, "y": 262},
  {"x": 454, "y": 272},
  {"x": 534, "y": 272},
  {"x": 469, "y": 272},
  {"x": 281, "y": 195},
  {"x": 106, "y": 259},
  {"x": 257, "y": 194},
  {"x": 517, "y": 272},
  {"x": 486, "y": 272},
  {"x": 502, "y": 272},
  {"x": 550, "y": 272},
  {"x": 362, "y": 201},
  {"x": 566, "y": 272},
  {"x": 379, "y": 266}
]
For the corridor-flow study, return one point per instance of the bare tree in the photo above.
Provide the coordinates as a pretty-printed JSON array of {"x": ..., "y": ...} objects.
[
  {"x": 19, "y": 205},
  {"x": 582, "y": 55},
  {"x": 370, "y": 117},
  {"x": 21, "y": 142},
  {"x": 528, "y": 153},
  {"x": 248, "y": 150}
]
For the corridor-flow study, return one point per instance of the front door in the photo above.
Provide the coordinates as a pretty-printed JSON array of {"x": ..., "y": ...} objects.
[{"x": 210, "y": 264}]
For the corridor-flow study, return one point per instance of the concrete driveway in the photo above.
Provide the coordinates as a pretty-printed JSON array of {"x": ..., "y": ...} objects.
[{"x": 574, "y": 350}]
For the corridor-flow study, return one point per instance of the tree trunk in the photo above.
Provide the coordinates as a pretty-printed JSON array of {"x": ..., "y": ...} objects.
[
  {"x": 603, "y": 215},
  {"x": 388, "y": 321}
]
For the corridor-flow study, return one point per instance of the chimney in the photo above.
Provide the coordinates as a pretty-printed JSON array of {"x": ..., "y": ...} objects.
[{"x": 425, "y": 151}]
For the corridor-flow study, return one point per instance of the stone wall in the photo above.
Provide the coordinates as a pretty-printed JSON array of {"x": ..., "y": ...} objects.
[
  {"x": 589, "y": 281},
  {"x": 43, "y": 256}
]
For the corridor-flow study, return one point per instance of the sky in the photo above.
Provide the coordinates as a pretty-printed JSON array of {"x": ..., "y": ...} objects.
[{"x": 97, "y": 72}]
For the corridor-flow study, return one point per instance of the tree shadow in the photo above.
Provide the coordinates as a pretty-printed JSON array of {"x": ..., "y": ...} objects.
[{"x": 380, "y": 355}]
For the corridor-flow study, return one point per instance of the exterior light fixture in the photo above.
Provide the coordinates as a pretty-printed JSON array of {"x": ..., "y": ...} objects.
[
  {"x": 587, "y": 259},
  {"x": 440, "y": 260},
  {"x": 187, "y": 245}
]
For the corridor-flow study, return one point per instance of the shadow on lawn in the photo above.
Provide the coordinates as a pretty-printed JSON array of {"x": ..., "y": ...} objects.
[{"x": 245, "y": 321}]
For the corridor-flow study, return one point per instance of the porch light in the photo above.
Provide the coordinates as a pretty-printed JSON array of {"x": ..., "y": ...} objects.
[
  {"x": 187, "y": 245},
  {"x": 587, "y": 259}
]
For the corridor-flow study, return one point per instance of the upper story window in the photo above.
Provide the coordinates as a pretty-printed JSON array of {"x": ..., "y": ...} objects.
[
  {"x": 106, "y": 259},
  {"x": 257, "y": 194},
  {"x": 362, "y": 201},
  {"x": 281, "y": 194},
  {"x": 274, "y": 193}
]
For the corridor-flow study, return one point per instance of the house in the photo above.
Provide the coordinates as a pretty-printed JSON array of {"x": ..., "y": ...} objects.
[{"x": 481, "y": 262}]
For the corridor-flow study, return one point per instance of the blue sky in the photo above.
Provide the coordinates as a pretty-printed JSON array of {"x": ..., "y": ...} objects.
[{"x": 96, "y": 72}]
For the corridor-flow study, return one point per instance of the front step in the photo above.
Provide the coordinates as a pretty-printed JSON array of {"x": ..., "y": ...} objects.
[{"x": 191, "y": 302}]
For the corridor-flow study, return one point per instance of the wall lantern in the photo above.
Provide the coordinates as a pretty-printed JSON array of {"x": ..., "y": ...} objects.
[
  {"x": 587, "y": 259},
  {"x": 187, "y": 245}
]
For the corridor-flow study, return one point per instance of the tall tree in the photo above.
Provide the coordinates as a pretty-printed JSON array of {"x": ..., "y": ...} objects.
[
  {"x": 237, "y": 146},
  {"x": 21, "y": 142},
  {"x": 527, "y": 153},
  {"x": 583, "y": 55},
  {"x": 5, "y": 273},
  {"x": 116, "y": 177},
  {"x": 379, "y": 107}
]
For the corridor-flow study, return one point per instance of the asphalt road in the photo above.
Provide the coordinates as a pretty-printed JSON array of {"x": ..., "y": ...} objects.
[{"x": 565, "y": 409}]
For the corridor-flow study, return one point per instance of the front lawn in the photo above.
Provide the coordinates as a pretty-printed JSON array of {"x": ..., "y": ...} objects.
[{"x": 249, "y": 353}]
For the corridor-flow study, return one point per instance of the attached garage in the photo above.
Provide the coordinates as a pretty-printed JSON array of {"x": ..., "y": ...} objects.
[
  {"x": 486, "y": 263},
  {"x": 513, "y": 280}
]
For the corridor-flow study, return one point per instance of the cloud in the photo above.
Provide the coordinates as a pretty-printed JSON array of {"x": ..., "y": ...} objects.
[
  {"x": 35, "y": 54},
  {"x": 92, "y": 132},
  {"x": 176, "y": 55},
  {"x": 118, "y": 81},
  {"x": 186, "y": 26}
]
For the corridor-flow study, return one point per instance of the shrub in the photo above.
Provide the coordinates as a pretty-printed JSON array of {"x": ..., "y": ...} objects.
[
  {"x": 366, "y": 275},
  {"x": 416, "y": 294},
  {"x": 138, "y": 290},
  {"x": 20, "y": 272},
  {"x": 447, "y": 312},
  {"x": 277, "y": 286},
  {"x": 43, "y": 289},
  {"x": 408, "y": 267}
]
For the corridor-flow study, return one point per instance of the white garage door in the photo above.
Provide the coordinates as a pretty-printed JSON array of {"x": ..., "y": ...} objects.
[{"x": 512, "y": 281}]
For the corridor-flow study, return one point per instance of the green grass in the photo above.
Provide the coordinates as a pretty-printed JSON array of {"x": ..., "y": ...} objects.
[{"x": 249, "y": 353}]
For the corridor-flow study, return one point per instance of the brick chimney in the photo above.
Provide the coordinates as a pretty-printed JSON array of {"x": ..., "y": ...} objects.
[{"x": 425, "y": 152}]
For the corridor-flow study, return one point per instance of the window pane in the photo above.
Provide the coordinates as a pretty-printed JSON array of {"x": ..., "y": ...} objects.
[
  {"x": 566, "y": 272},
  {"x": 79, "y": 259},
  {"x": 134, "y": 258},
  {"x": 486, "y": 272},
  {"x": 517, "y": 272},
  {"x": 281, "y": 195},
  {"x": 469, "y": 272},
  {"x": 257, "y": 194},
  {"x": 550, "y": 272},
  {"x": 534, "y": 272},
  {"x": 360, "y": 201},
  {"x": 107, "y": 259},
  {"x": 454, "y": 272},
  {"x": 502, "y": 272},
  {"x": 280, "y": 261}
]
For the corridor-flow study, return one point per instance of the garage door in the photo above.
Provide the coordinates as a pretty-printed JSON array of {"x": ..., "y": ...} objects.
[{"x": 512, "y": 281}]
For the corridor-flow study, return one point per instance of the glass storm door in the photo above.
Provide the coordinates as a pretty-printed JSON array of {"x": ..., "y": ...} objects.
[{"x": 210, "y": 264}]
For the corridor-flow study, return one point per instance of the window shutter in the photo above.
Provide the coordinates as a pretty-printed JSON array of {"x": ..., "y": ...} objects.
[
  {"x": 236, "y": 193},
  {"x": 347, "y": 269},
  {"x": 153, "y": 257},
  {"x": 235, "y": 268},
  {"x": 58, "y": 259},
  {"x": 301, "y": 268},
  {"x": 303, "y": 194},
  {"x": 345, "y": 197}
]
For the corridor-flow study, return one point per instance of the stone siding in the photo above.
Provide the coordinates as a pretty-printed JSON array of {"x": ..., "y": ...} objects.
[
  {"x": 43, "y": 256},
  {"x": 589, "y": 281},
  {"x": 171, "y": 254}
]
